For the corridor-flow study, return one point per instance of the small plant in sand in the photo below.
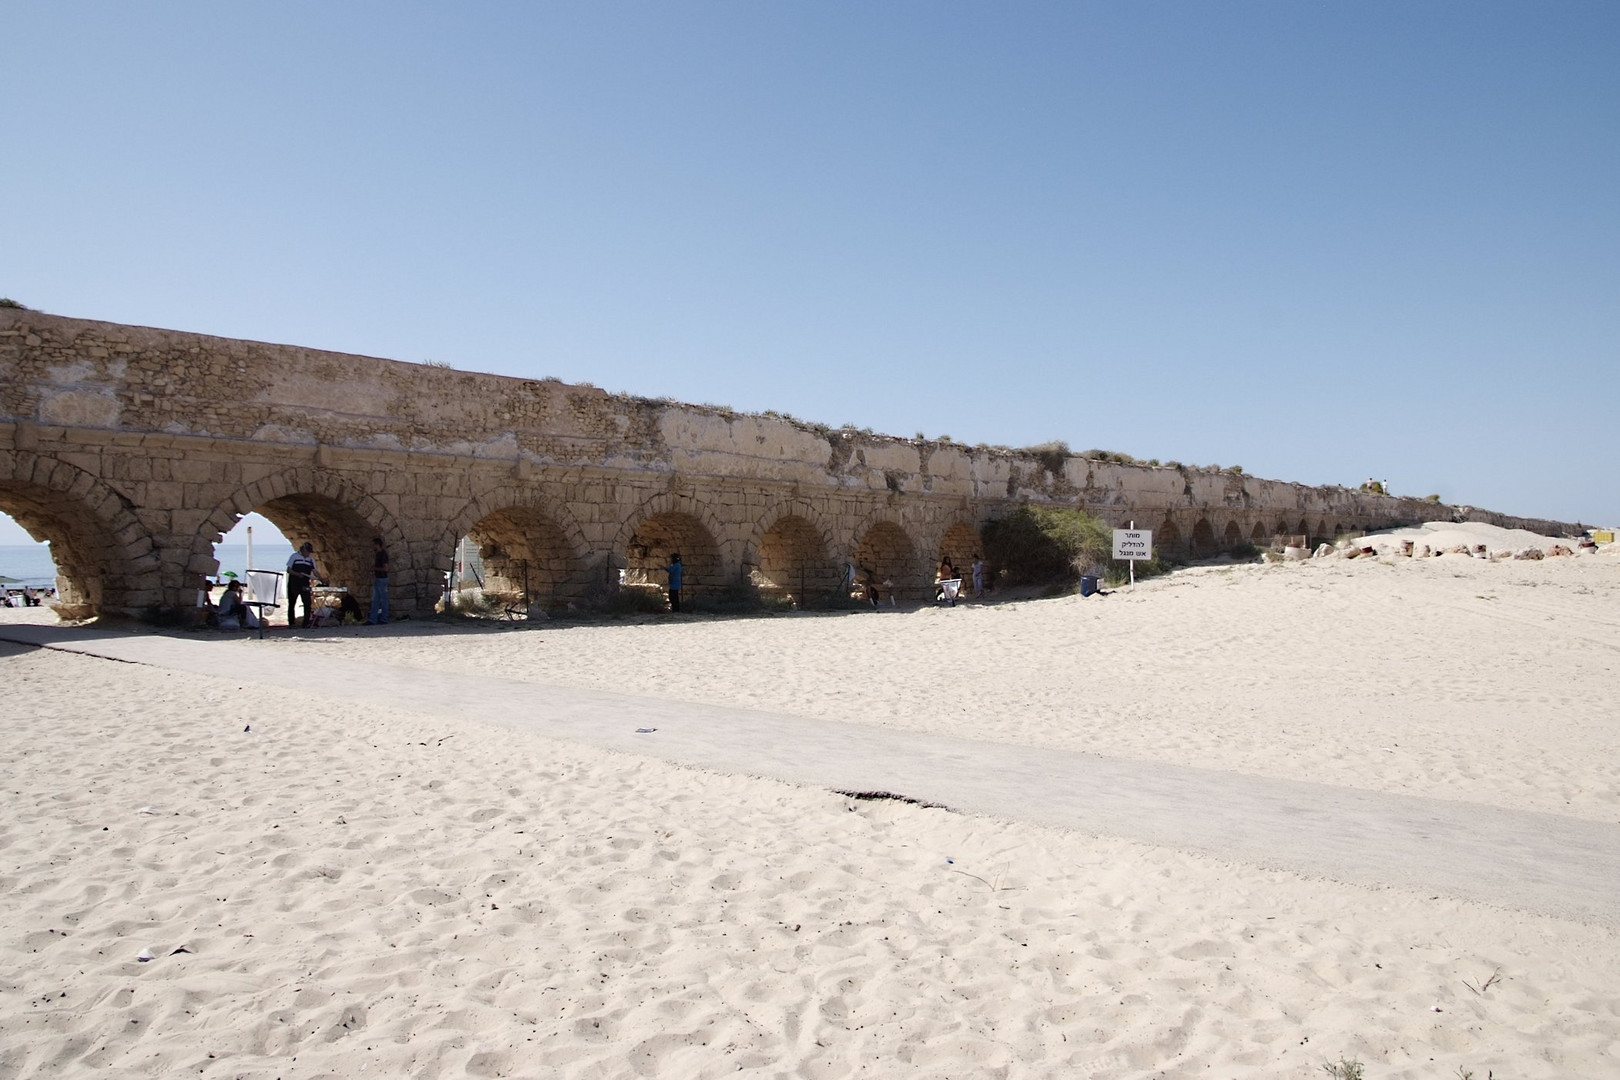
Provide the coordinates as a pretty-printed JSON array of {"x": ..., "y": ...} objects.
[
  {"x": 993, "y": 884},
  {"x": 738, "y": 599},
  {"x": 1345, "y": 1069},
  {"x": 475, "y": 604},
  {"x": 636, "y": 600}
]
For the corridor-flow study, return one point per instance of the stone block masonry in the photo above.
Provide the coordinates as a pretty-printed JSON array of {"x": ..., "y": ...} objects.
[{"x": 133, "y": 450}]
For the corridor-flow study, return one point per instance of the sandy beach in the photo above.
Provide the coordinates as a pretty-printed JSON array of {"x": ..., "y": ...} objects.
[{"x": 205, "y": 873}]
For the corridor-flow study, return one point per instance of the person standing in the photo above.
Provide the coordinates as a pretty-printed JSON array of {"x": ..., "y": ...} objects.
[
  {"x": 978, "y": 576},
  {"x": 379, "y": 583},
  {"x": 301, "y": 573},
  {"x": 675, "y": 572}
]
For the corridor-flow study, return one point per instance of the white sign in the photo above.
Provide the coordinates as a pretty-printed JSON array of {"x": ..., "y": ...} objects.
[{"x": 1133, "y": 544}]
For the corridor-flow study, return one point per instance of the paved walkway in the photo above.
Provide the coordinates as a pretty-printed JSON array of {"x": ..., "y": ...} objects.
[{"x": 1554, "y": 865}]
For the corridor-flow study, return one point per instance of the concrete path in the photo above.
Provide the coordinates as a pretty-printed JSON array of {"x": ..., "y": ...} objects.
[{"x": 1544, "y": 863}]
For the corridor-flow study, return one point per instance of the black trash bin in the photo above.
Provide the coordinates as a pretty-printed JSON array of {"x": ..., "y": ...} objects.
[{"x": 1088, "y": 585}]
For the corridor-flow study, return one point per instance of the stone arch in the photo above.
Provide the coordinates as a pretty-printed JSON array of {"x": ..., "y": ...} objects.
[
  {"x": 662, "y": 526},
  {"x": 960, "y": 542},
  {"x": 320, "y": 507},
  {"x": 792, "y": 559},
  {"x": 1167, "y": 538},
  {"x": 107, "y": 562},
  {"x": 1257, "y": 535},
  {"x": 798, "y": 508},
  {"x": 1203, "y": 538},
  {"x": 1323, "y": 530},
  {"x": 527, "y": 542},
  {"x": 884, "y": 549},
  {"x": 1233, "y": 535}
]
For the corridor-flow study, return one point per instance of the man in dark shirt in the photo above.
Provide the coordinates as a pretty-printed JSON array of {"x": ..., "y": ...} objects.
[{"x": 300, "y": 573}]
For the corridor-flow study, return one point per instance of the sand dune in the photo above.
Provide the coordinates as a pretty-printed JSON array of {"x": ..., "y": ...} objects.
[{"x": 328, "y": 889}]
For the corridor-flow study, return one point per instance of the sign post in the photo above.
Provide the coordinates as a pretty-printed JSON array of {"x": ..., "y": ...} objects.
[{"x": 1132, "y": 544}]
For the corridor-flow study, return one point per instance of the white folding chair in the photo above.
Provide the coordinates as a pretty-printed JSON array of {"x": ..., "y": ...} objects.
[{"x": 265, "y": 588}]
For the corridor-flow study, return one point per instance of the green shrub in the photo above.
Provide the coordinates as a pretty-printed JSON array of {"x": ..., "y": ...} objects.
[
  {"x": 1119, "y": 573},
  {"x": 1110, "y": 455},
  {"x": 1038, "y": 544},
  {"x": 8, "y": 302},
  {"x": 1052, "y": 455},
  {"x": 736, "y": 599},
  {"x": 635, "y": 600},
  {"x": 1244, "y": 550}
]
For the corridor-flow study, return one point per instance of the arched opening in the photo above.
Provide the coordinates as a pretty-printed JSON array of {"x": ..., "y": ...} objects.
[
  {"x": 72, "y": 557},
  {"x": 1258, "y": 535},
  {"x": 1323, "y": 531},
  {"x": 1203, "y": 538},
  {"x": 254, "y": 543},
  {"x": 793, "y": 562},
  {"x": 887, "y": 553},
  {"x": 959, "y": 544},
  {"x": 662, "y": 535},
  {"x": 1233, "y": 536},
  {"x": 28, "y": 576},
  {"x": 1167, "y": 538},
  {"x": 522, "y": 557},
  {"x": 340, "y": 536}
]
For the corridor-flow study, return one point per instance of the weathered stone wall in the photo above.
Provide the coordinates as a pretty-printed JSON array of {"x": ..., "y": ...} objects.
[{"x": 133, "y": 450}]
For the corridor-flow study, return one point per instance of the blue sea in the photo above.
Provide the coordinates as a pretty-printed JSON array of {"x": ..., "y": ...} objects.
[{"x": 31, "y": 564}]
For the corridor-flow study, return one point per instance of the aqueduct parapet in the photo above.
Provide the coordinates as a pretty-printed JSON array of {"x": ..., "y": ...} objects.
[{"x": 133, "y": 450}]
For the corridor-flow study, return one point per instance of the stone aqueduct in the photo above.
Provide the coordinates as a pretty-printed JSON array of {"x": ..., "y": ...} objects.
[{"x": 132, "y": 450}]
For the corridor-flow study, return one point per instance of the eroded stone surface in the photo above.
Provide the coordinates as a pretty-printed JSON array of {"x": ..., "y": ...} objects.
[{"x": 133, "y": 450}]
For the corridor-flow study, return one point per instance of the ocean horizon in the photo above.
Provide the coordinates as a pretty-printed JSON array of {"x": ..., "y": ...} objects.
[{"x": 31, "y": 564}]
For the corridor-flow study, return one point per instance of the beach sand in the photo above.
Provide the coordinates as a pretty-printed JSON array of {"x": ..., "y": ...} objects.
[{"x": 328, "y": 888}]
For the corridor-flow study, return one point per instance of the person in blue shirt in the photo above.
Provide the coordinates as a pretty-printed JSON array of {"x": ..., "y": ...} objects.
[{"x": 674, "y": 570}]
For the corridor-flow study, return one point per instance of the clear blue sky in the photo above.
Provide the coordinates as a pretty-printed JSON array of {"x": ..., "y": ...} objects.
[{"x": 1321, "y": 241}]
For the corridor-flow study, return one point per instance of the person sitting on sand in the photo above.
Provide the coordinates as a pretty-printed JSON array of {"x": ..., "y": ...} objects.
[
  {"x": 869, "y": 584},
  {"x": 233, "y": 613}
]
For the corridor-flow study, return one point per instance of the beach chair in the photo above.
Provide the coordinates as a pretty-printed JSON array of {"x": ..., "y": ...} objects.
[
  {"x": 950, "y": 589},
  {"x": 265, "y": 588}
]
